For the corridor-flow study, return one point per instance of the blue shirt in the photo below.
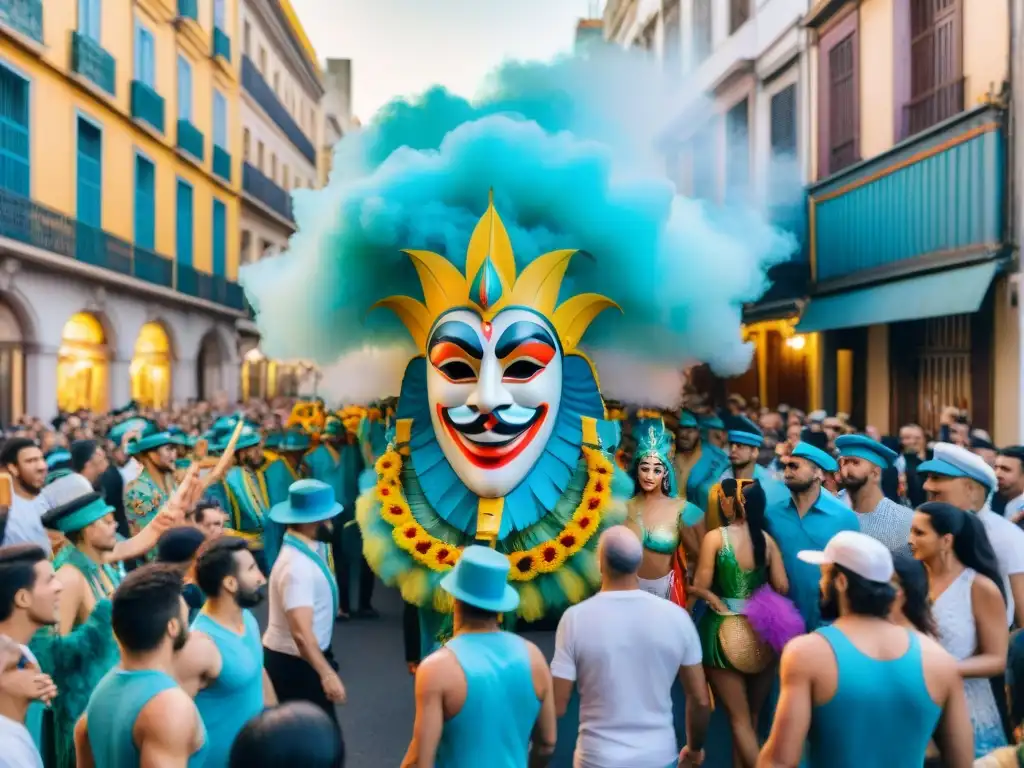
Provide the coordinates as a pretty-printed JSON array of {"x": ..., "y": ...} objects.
[
  {"x": 237, "y": 693},
  {"x": 493, "y": 727},
  {"x": 826, "y": 517},
  {"x": 114, "y": 707}
]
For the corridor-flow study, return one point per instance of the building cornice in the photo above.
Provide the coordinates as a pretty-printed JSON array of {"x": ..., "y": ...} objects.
[{"x": 292, "y": 51}]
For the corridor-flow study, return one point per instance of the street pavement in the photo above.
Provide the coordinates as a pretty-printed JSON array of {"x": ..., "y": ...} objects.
[{"x": 377, "y": 720}]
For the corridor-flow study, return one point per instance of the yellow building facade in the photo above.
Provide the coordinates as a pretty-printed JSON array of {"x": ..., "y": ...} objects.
[
  {"x": 129, "y": 170},
  {"x": 910, "y": 306}
]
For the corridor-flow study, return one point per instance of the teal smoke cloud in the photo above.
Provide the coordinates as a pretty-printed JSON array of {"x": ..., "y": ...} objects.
[{"x": 569, "y": 150}]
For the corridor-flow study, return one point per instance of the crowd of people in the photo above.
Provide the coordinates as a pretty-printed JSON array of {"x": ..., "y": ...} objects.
[{"x": 782, "y": 588}]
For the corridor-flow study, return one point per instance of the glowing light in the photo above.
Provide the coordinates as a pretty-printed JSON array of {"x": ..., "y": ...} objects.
[{"x": 796, "y": 342}]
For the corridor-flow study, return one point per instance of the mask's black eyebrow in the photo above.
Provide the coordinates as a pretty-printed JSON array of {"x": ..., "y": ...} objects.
[
  {"x": 519, "y": 333},
  {"x": 460, "y": 334}
]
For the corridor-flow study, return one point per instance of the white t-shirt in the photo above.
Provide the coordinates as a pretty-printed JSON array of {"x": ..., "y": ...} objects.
[
  {"x": 1008, "y": 542},
  {"x": 19, "y": 751},
  {"x": 25, "y": 522},
  {"x": 624, "y": 650},
  {"x": 298, "y": 582}
]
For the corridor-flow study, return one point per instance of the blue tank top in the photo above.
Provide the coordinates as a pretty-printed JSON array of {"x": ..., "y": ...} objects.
[
  {"x": 493, "y": 727},
  {"x": 113, "y": 708},
  {"x": 237, "y": 693},
  {"x": 881, "y": 713}
]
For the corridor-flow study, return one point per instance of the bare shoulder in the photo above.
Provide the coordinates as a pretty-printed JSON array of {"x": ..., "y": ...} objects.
[
  {"x": 984, "y": 588},
  {"x": 170, "y": 717},
  {"x": 435, "y": 669},
  {"x": 935, "y": 656},
  {"x": 713, "y": 539},
  {"x": 537, "y": 657},
  {"x": 805, "y": 653},
  {"x": 70, "y": 577}
]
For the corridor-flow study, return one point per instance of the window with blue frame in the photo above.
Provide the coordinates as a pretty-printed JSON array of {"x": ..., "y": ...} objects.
[
  {"x": 218, "y": 15},
  {"x": 145, "y": 203},
  {"x": 184, "y": 235},
  {"x": 220, "y": 120},
  {"x": 184, "y": 89},
  {"x": 15, "y": 169},
  {"x": 145, "y": 56},
  {"x": 90, "y": 173},
  {"x": 89, "y": 15},
  {"x": 220, "y": 237}
]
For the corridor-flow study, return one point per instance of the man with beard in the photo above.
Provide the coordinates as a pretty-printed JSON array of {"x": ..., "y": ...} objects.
[
  {"x": 29, "y": 594},
  {"x": 745, "y": 439},
  {"x": 698, "y": 463},
  {"x": 24, "y": 462},
  {"x": 147, "y": 493},
  {"x": 138, "y": 715},
  {"x": 241, "y": 495},
  {"x": 865, "y": 691},
  {"x": 222, "y": 663},
  {"x": 861, "y": 463},
  {"x": 304, "y": 600},
  {"x": 807, "y": 517}
]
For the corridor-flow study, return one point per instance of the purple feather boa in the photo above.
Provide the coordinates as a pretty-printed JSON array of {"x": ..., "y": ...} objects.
[{"x": 775, "y": 619}]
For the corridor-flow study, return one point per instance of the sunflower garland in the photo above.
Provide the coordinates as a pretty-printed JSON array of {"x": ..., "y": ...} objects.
[{"x": 526, "y": 565}]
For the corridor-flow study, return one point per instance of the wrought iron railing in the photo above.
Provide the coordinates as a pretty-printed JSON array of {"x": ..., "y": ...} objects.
[
  {"x": 25, "y": 221},
  {"x": 190, "y": 139},
  {"x": 221, "y": 44},
  {"x": 222, "y": 163},
  {"x": 147, "y": 105},
  {"x": 266, "y": 191},
  {"x": 90, "y": 60},
  {"x": 23, "y": 16},
  {"x": 258, "y": 88}
]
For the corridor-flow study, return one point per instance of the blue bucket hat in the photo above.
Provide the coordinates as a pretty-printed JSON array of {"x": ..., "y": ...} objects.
[
  {"x": 816, "y": 456},
  {"x": 309, "y": 501},
  {"x": 480, "y": 579},
  {"x": 150, "y": 443},
  {"x": 863, "y": 447},
  {"x": 294, "y": 440},
  {"x": 746, "y": 432},
  {"x": 77, "y": 514}
]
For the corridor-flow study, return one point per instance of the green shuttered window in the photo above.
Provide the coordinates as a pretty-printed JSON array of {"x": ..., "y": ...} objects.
[
  {"x": 145, "y": 203},
  {"x": 15, "y": 172},
  {"x": 220, "y": 238},
  {"x": 90, "y": 173},
  {"x": 185, "y": 229}
]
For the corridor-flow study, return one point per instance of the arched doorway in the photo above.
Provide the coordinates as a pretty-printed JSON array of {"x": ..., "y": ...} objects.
[
  {"x": 212, "y": 356},
  {"x": 12, "y": 366},
  {"x": 151, "y": 367},
  {"x": 254, "y": 374},
  {"x": 82, "y": 377}
]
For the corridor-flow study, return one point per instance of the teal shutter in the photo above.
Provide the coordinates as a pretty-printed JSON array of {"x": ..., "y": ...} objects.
[
  {"x": 184, "y": 221},
  {"x": 220, "y": 120},
  {"x": 89, "y": 18},
  {"x": 15, "y": 171},
  {"x": 220, "y": 238},
  {"x": 145, "y": 65},
  {"x": 90, "y": 174},
  {"x": 145, "y": 203},
  {"x": 184, "y": 89}
]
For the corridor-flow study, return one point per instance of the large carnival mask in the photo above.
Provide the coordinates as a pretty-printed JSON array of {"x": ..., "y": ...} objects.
[
  {"x": 494, "y": 390},
  {"x": 494, "y": 346}
]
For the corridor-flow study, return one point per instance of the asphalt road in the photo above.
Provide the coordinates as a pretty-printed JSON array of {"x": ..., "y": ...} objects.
[{"x": 377, "y": 720}]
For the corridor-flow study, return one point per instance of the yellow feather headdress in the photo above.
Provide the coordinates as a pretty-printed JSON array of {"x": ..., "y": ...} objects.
[{"x": 491, "y": 285}]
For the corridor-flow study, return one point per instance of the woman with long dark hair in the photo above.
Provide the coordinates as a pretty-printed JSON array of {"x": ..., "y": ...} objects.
[
  {"x": 913, "y": 606},
  {"x": 736, "y": 560},
  {"x": 969, "y": 607},
  {"x": 294, "y": 734}
]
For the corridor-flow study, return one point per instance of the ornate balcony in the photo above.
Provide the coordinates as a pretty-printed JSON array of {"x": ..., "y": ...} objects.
[
  {"x": 257, "y": 87},
  {"x": 267, "y": 192},
  {"x": 221, "y": 44},
  {"x": 190, "y": 139},
  {"x": 147, "y": 105},
  {"x": 23, "y": 16},
  {"x": 90, "y": 60},
  {"x": 221, "y": 163},
  {"x": 188, "y": 9},
  {"x": 27, "y": 222}
]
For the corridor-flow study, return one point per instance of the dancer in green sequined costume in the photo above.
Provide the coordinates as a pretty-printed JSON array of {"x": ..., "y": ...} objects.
[{"x": 735, "y": 560}]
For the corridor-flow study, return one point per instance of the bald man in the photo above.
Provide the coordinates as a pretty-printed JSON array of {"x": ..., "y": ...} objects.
[{"x": 625, "y": 697}]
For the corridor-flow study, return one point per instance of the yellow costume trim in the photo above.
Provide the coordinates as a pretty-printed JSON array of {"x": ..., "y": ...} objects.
[{"x": 526, "y": 565}]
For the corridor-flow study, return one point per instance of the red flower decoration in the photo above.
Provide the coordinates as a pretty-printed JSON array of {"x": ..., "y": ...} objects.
[
  {"x": 602, "y": 471},
  {"x": 442, "y": 554},
  {"x": 524, "y": 564},
  {"x": 409, "y": 533},
  {"x": 594, "y": 503},
  {"x": 423, "y": 547},
  {"x": 386, "y": 465},
  {"x": 567, "y": 540},
  {"x": 583, "y": 522},
  {"x": 396, "y": 510},
  {"x": 549, "y": 554},
  {"x": 598, "y": 487},
  {"x": 384, "y": 492}
]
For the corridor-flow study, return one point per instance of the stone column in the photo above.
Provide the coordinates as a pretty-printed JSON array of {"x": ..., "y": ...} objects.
[
  {"x": 120, "y": 379},
  {"x": 41, "y": 382},
  {"x": 183, "y": 380}
]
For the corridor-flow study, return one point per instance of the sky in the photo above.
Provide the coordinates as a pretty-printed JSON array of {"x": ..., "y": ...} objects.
[{"x": 402, "y": 47}]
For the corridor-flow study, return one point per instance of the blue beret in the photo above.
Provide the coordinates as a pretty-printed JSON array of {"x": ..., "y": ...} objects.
[
  {"x": 815, "y": 456},
  {"x": 950, "y": 460},
  {"x": 687, "y": 420},
  {"x": 745, "y": 432},
  {"x": 863, "y": 447},
  {"x": 711, "y": 422}
]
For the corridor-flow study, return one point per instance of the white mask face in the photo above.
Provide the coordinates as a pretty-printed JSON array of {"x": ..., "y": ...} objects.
[{"x": 494, "y": 391}]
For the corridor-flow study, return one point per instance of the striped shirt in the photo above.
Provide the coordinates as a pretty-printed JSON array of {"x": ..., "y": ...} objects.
[{"x": 889, "y": 523}]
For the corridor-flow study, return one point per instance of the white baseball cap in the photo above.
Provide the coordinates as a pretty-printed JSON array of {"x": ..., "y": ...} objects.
[{"x": 856, "y": 552}]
